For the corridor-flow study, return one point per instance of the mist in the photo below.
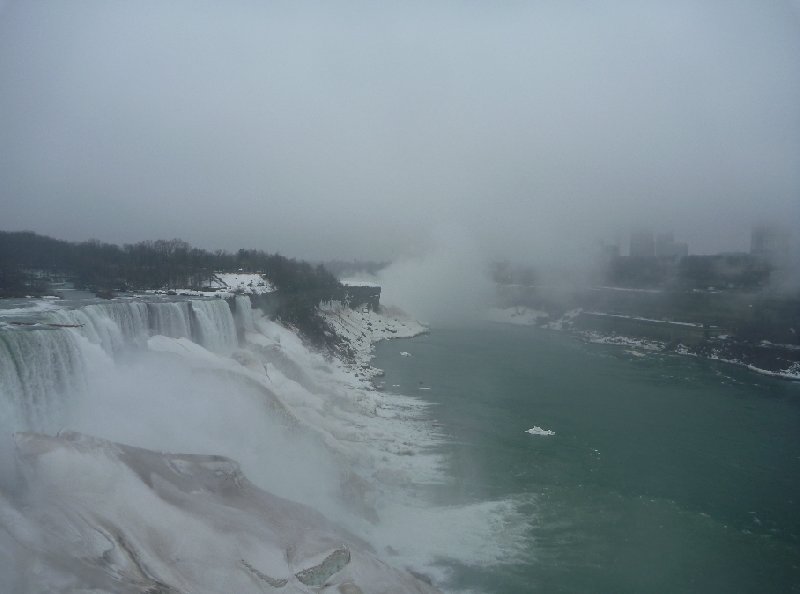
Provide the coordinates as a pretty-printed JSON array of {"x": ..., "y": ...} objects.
[
  {"x": 446, "y": 284},
  {"x": 441, "y": 137},
  {"x": 161, "y": 402},
  {"x": 356, "y": 129}
]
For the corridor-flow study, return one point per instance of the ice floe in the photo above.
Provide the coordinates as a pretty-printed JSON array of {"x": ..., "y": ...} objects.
[{"x": 536, "y": 430}]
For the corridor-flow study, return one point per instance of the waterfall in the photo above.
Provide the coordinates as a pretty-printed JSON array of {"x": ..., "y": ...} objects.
[
  {"x": 244, "y": 314},
  {"x": 42, "y": 368},
  {"x": 39, "y": 370},
  {"x": 121, "y": 325},
  {"x": 116, "y": 326},
  {"x": 215, "y": 328},
  {"x": 170, "y": 319}
]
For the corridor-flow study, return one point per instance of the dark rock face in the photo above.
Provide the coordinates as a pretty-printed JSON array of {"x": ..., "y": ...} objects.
[
  {"x": 368, "y": 296},
  {"x": 318, "y": 574}
]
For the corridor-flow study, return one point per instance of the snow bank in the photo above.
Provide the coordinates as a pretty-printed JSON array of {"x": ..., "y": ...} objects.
[
  {"x": 361, "y": 328},
  {"x": 238, "y": 282},
  {"x": 225, "y": 284}
]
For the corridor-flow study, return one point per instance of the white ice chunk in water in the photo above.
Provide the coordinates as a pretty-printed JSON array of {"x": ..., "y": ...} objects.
[{"x": 536, "y": 430}]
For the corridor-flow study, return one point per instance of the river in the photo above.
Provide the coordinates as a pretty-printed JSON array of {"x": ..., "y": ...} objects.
[{"x": 665, "y": 473}]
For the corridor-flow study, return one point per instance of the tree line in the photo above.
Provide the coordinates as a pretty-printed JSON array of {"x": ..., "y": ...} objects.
[
  {"x": 160, "y": 264},
  {"x": 28, "y": 261}
]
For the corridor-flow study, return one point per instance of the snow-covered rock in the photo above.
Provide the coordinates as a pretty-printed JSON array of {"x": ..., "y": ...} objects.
[
  {"x": 103, "y": 517},
  {"x": 361, "y": 328}
]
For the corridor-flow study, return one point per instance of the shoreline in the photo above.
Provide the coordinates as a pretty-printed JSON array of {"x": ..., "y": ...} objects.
[{"x": 724, "y": 348}]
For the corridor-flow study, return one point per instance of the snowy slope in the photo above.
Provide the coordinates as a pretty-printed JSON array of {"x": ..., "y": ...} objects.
[
  {"x": 225, "y": 284},
  {"x": 142, "y": 521},
  {"x": 241, "y": 282},
  {"x": 361, "y": 328}
]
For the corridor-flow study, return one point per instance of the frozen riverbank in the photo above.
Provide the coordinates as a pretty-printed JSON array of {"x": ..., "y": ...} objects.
[{"x": 648, "y": 336}]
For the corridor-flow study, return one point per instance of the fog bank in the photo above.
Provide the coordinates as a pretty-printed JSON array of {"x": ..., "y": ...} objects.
[
  {"x": 354, "y": 129},
  {"x": 448, "y": 283}
]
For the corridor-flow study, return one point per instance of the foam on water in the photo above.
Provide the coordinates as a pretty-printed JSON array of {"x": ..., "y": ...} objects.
[
  {"x": 429, "y": 538},
  {"x": 28, "y": 307}
]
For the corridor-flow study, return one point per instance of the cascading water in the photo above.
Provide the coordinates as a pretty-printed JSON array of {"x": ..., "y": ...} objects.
[
  {"x": 215, "y": 328},
  {"x": 39, "y": 370},
  {"x": 244, "y": 313},
  {"x": 115, "y": 326},
  {"x": 171, "y": 319},
  {"x": 43, "y": 368}
]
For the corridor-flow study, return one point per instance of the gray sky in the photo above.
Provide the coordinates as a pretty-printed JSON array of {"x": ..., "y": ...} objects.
[{"x": 358, "y": 129}]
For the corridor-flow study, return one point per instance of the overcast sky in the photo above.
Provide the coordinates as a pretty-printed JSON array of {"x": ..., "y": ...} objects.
[{"x": 358, "y": 129}]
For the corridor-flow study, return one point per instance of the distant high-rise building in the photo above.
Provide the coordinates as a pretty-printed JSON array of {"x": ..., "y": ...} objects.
[
  {"x": 663, "y": 242},
  {"x": 771, "y": 243},
  {"x": 642, "y": 244},
  {"x": 667, "y": 247}
]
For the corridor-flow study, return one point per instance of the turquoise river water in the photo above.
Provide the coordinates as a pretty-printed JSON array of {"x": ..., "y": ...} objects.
[{"x": 665, "y": 473}]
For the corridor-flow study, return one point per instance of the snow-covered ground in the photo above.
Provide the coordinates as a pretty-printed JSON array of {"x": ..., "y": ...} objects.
[
  {"x": 641, "y": 347},
  {"x": 358, "y": 282},
  {"x": 225, "y": 284},
  {"x": 361, "y": 328},
  {"x": 637, "y": 347},
  {"x": 239, "y": 282}
]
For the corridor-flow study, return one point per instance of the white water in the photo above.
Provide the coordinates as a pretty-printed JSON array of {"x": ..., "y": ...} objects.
[
  {"x": 301, "y": 426},
  {"x": 244, "y": 313},
  {"x": 40, "y": 369},
  {"x": 215, "y": 326},
  {"x": 171, "y": 319},
  {"x": 116, "y": 326},
  {"x": 122, "y": 325}
]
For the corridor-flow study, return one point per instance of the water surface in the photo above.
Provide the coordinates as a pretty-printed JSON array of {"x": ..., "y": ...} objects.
[{"x": 665, "y": 473}]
